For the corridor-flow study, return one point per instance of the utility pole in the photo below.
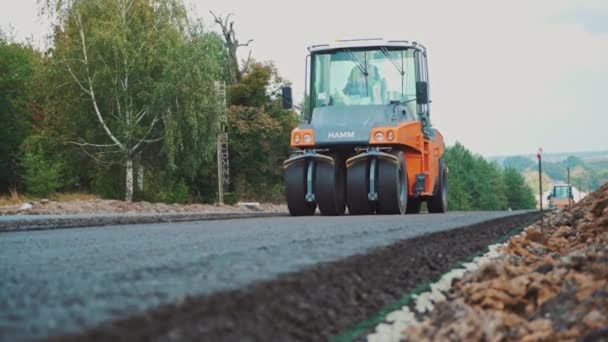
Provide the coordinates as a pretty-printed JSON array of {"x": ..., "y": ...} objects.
[
  {"x": 223, "y": 167},
  {"x": 569, "y": 188},
  {"x": 540, "y": 177}
]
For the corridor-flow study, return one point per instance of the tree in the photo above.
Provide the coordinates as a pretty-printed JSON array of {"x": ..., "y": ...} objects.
[
  {"x": 146, "y": 79},
  {"x": 518, "y": 163},
  {"x": 232, "y": 44},
  {"x": 519, "y": 194},
  {"x": 19, "y": 105},
  {"x": 474, "y": 183},
  {"x": 42, "y": 175},
  {"x": 259, "y": 130},
  {"x": 573, "y": 161}
]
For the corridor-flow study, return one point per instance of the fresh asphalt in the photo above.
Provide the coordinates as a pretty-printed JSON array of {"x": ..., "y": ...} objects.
[{"x": 61, "y": 281}]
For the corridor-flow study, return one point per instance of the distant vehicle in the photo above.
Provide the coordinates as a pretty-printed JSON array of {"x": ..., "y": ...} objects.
[
  {"x": 561, "y": 196},
  {"x": 367, "y": 140}
]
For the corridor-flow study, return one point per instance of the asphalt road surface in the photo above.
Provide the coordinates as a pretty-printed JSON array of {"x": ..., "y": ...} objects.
[{"x": 65, "y": 281}]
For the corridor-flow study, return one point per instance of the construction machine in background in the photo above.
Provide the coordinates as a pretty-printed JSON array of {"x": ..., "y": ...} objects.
[
  {"x": 561, "y": 196},
  {"x": 366, "y": 141}
]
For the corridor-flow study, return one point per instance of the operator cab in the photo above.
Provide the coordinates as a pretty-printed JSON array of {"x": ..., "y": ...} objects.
[{"x": 369, "y": 82}]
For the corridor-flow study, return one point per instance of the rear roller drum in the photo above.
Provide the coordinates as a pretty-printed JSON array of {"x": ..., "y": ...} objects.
[
  {"x": 392, "y": 185},
  {"x": 330, "y": 188},
  {"x": 295, "y": 181},
  {"x": 357, "y": 188},
  {"x": 438, "y": 203}
]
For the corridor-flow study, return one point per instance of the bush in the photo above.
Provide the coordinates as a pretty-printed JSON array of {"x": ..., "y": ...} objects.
[
  {"x": 519, "y": 194},
  {"x": 108, "y": 182},
  {"x": 230, "y": 198},
  {"x": 165, "y": 188},
  {"x": 42, "y": 177}
]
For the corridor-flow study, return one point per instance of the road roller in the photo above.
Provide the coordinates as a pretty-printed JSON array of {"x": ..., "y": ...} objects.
[{"x": 365, "y": 142}]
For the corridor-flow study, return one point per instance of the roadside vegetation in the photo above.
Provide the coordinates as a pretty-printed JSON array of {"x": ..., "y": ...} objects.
[
  {"x": 585, "y": 174},
  {"x": 126, "y": 105},
  {"x": 475, "y": 183}
]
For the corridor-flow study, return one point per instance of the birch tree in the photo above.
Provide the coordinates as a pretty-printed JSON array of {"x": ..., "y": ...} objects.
[{"x": 125, "y": 59}]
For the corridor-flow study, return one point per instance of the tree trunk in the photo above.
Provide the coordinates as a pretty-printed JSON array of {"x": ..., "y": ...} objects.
[
  {"x": 129, "y": 180},
  {"x": 140, "y": 177}
]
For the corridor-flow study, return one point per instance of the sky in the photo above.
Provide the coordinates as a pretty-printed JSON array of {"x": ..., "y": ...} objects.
[{"x": 506, "y": 77}]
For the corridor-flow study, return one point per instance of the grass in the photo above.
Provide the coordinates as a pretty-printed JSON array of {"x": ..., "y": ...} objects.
[{"x": 15, "y": 198}]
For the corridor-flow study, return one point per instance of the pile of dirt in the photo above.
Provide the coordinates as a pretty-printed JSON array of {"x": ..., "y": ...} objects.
[
  {"x": 551, "y": 283},
  {"x": 99, "y": 206}
]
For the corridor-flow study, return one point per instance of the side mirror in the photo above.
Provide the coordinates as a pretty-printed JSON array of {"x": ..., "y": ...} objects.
[
  {"x": 422, "y": 92},
  {"x": 286, "y": 97}
]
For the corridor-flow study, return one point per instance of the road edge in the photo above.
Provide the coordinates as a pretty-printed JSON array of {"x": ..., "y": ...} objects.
[{"x": 36, "y": 223}]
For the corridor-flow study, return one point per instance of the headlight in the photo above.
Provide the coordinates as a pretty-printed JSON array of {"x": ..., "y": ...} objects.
[
  {"x": 390, "y": 136},
  {"x": 307, "y": 138},
  {"x": 379, "y": 136},
  {"x": 296, "y": 138}
]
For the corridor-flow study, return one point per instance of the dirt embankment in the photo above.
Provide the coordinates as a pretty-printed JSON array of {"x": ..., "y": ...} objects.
[
  {"x": 551, "y": 284},
  {"x": 100, "y": 206}
]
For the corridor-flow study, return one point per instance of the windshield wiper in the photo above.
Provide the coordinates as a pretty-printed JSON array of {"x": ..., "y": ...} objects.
[
  {"x": 388, "y": 55},
  {"x": 400, "y": 69},
  {"x": 361, "y": 67}
]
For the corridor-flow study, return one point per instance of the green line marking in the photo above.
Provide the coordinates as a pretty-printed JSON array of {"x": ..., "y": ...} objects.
[{"x": 380, "y": 316}]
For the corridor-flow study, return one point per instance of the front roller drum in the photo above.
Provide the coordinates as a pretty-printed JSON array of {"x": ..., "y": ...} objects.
[
  {"x": 392, "y": 185},
  {"x": 330, "y": 187},
  {"x": 357, "y": 188},
  {"x": 296, "y": 176}
]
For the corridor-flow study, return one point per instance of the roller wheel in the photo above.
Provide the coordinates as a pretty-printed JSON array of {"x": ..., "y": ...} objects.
[
  {"x": 330, "y": 187},
  {"x": 392, "y": 186},
  {"x": 295, "y": 181},
  {"x": 357, "y": 187},
  {"x": 413, "y": 206},
  {"x": 438, "y": 203}
]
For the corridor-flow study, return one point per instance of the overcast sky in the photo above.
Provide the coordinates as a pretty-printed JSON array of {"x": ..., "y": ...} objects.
[{"x": 506, "y": 76}]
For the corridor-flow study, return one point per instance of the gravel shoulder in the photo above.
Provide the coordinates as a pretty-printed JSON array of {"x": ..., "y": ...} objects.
[{"x": 550, "y": 283}]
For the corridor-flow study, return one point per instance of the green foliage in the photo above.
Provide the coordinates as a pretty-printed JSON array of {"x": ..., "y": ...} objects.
[
  {"x": 19, "y": 70},
  {"x": 166, "y": 188},
  {"x": 105, "y": 182},
  {"x": 477, "y": 184},
  {"x": 42, "y": 175},
  {"x": 458, "y": 197},
  {"x": 259, "y": 132},
  {"x": 587, "y": 175},
  {"x": 519, "y": 194},
  {"x": 230, "y": 198},
  {"x": 519, "y": 163},
  {"x": 573, "y": 161},
  {"x": 154, "y": 76}
]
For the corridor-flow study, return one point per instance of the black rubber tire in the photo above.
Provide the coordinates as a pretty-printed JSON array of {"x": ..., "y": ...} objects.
[
  {"x": 295, "y": 190},
  {"x": 392, "y": 186},
  {"x": 330, "y": 187},
  {"x": 413, "y": 205},
  {"x": 438, "y": 203},
  {"x": 357, "y": 187}
]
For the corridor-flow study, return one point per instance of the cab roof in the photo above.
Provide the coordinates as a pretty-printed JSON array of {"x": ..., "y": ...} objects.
[{"x": 367, "y": 42}]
